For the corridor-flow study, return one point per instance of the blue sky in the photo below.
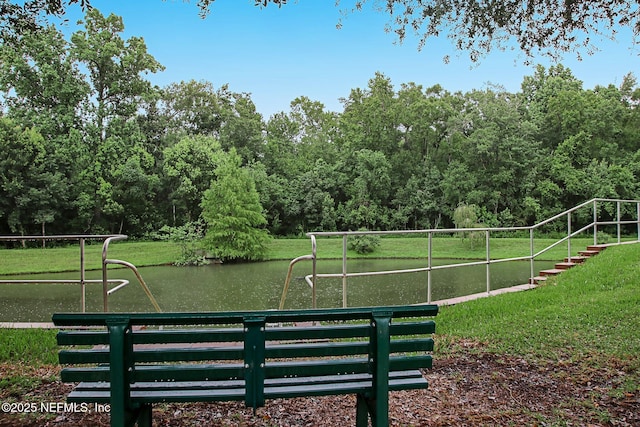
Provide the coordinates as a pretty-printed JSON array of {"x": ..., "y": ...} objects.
[{"x": 277, "y": 54}]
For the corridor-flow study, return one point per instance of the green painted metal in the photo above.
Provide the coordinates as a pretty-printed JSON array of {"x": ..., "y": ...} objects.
[
  {"x": 225, "y": 318},
  {"x": 380, "y": 354},
  {"x": 254, "y": 358},
  {"x": 250, "y": 356},
  {"x": 119, "y": 337},
  {"x": 334, "y": 331},
  {"x": 362, "y": 411}
]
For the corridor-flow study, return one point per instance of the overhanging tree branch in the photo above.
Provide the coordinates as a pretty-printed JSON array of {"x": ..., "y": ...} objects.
[{"x": 547, "y": 27}]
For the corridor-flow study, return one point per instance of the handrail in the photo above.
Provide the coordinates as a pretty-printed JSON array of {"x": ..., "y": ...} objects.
[
  {"x": 81, "y": 238},
  {"x": 106, "y": 261},
  {"x": 288, "y": 279},
  {"x": 570, "y": 233}
]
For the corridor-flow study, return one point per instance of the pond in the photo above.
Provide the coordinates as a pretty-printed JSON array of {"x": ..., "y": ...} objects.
[{"x": 254, "y": 286}]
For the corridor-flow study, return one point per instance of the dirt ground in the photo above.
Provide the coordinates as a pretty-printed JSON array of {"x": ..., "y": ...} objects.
[{"x": 472, "y": 390}]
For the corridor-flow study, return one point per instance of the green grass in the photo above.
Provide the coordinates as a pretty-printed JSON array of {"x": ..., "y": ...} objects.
[
  {"x": 417, "y": 247},
  {"x": 589, "y": 311},
  {"x": 33, "y": 346},
  {"x": 61, "y": 259}
]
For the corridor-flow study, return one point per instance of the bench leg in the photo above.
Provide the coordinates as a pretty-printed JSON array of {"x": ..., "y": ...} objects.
[
  {"x": 366, "y": 408},
  {"x": 144, "y": 415},
  {"x": 363, "y": 408}
]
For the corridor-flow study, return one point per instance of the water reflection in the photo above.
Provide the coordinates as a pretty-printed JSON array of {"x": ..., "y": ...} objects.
[{"x": 253, "y": 287}]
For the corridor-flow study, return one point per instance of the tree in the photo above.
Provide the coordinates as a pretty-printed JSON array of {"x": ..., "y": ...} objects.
[
  {"x": 115, "y": 68},
  {"x": 243, "y": 126},
  {"x": 193, "y": 108},
  {"x": 233, "y": 214},
  {"x": 41, "y": 82},
  {"x": 42, "y": 87},
  {"x": 465, "y": 216},
  {"x": 112, "y": 135},
  {"x": 31, "y": 193},
  {"x": 189, "y": 168}
]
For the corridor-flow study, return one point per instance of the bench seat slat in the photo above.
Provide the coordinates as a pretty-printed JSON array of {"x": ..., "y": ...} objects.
[
  {"x": 188, "y": 372},
  {"x": 158, "y": 372},
  {"x": 156, "y": 396},
  {"x": 184, "y": 391},
  {"x": 164, "y": 385},
  {"x": 346, "y": 385},
  {"x": 316, "y": 367}
]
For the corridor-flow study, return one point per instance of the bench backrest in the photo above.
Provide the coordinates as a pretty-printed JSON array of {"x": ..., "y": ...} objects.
[{"x": 253, "y": 346}]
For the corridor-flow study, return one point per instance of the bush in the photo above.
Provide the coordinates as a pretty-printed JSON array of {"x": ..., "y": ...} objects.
[
  {"x": 603, "y": 238},
  {"x": 189, "y": 238},
  {"x": 363, "y": 243}
]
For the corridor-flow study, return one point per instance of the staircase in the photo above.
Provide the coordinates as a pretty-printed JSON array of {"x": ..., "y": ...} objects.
[{"x": 568, "y": 263}]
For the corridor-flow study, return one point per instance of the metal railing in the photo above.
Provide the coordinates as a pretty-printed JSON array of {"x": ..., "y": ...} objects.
[
  {"x": 106, "y": 282},
  {"x": 601, "y": 208}
]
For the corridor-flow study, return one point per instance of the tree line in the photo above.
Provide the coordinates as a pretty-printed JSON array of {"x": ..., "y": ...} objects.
[{"x": 89, "y": 145}]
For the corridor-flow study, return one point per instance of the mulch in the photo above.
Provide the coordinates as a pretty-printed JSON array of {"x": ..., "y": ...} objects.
[{"x": 475, "y": 389}]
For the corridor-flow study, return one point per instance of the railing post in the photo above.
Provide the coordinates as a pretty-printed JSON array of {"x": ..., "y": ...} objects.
[
  {"x": 344, "y": 270},
  {"x": 314, "y": 281},
  {"x": 569, "y": 235},
  {"x": 619, "y": 219},
  {"x": 638, "y": 218},
  {"x": 105, "y": 287},
  {"x": 531, "y": 252},
  {"x": 595, "y": 221},
  {"x": 487, "y": 245},
  {"x": 83, "y": 298}
]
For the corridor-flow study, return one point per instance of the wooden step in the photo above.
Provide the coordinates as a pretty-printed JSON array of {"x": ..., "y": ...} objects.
[
  {"x": 565, "y": 265},
  {"x": 551, "y": 272},
  {"x": 598, "y": 248},
  {"x": 576, "y": 259},
  {"x": 537, "y": 280},
  {"x": 588, "y": 253}
]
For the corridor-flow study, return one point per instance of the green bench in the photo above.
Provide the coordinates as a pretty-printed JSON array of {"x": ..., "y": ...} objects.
[{"x": 133, "y": 360}]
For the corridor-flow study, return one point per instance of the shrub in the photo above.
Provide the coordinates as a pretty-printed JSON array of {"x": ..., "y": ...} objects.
[{"x": 363, "y": 243}]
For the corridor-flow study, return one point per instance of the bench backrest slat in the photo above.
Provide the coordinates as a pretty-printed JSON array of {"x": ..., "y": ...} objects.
[
  {"x": 227, "y": 318},
  {"x": 332, "y": 331}
]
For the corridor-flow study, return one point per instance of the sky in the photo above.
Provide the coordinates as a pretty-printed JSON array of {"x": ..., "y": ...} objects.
[{"x": 279, "y": 54}]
